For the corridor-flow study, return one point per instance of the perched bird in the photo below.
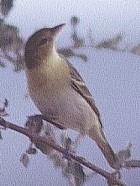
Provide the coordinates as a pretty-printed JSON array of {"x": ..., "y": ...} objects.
[{"x": 59, "y": 91}]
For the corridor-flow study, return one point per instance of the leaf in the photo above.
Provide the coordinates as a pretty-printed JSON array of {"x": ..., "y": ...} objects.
[
  {"x": 76, "y": 170},
  {"x": 125, "y": 154},
  {"x": 79, "y": 174},
  {"x": 57, "y": 161},
  {"x": 0, "y": 135},
  {"x": 18, "y": 65},
  {"x": 136, "y": 49},
  {"x": 31, "y": 151},
  {"x": 9, "y": 37},
  {"x": 6, "y": 6},
  {"x": 24, "y": 159},
  {"x": 74, "y": 20},
  {"x": 91, "y": 39},
  {"x": 78, "y": 41},
  {"x": 3, "y": 109},
  {"x": 110, "y": 43},
  {"x": 67, "y": 52},
  {"x": 34, "y": 123},
  {"x": 89, "y": 176},
  {"x": 12, "y": 28},
  {"x": 83, "y": 57},
  {"x": 6, "y": 103},
  {"x": 2, "y": 64},
  {"x": 133, "y": 164}
]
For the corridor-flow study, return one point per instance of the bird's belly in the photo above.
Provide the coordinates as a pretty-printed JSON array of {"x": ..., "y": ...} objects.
[{"x": 68, "y": 108}]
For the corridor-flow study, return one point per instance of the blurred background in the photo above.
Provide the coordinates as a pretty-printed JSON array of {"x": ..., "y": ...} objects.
[{"x": 108, "y": 58}]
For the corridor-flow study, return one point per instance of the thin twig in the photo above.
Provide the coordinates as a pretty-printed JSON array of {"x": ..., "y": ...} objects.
[{"x": 36, "y": 138}]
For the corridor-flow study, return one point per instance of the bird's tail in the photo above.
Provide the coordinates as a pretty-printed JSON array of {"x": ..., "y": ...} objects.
[{"x": 100, "y": 139}]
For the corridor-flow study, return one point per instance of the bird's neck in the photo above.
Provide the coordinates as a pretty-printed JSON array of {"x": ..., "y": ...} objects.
[{"x": 51, "y": 71}]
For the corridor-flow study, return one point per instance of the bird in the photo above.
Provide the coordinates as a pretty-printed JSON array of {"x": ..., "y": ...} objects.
[{"x": 60, "y": 93}]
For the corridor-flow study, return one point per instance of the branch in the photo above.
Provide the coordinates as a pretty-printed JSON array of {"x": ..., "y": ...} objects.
[{"x": 36, "y": 138}]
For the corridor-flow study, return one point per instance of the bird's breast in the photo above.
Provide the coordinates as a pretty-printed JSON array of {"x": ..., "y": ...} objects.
[
  {"x": 50, "y": 89},
  {"x": 52, "y": 75},
  {"x": 67, "y": 107}
]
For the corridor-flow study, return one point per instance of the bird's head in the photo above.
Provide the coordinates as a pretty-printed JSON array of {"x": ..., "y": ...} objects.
[{"x": 40, "y": 45}]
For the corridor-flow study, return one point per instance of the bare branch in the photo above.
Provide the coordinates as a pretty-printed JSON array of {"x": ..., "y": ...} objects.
[{"x": 35, "y": 138}]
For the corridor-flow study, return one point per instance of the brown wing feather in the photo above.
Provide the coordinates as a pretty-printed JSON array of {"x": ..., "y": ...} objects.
[{"x": 79, "y": 85}]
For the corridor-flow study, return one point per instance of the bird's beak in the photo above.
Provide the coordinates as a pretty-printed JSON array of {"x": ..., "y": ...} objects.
[{"x": 55, "y": 30}]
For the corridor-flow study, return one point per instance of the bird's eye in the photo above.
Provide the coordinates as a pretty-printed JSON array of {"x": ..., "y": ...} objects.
[{"x": 45, "y": 41}]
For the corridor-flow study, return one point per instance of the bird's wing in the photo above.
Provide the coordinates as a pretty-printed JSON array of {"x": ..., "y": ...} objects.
[{"x": 79, "y": 85}]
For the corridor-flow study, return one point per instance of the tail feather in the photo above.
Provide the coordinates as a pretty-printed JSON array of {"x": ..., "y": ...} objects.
[
  {"x": 110, "y": 155},
  {"x": 99, "y": 137}
]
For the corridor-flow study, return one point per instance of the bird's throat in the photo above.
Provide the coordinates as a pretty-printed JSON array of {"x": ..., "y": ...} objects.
[{"x": 51, "y": 72}]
